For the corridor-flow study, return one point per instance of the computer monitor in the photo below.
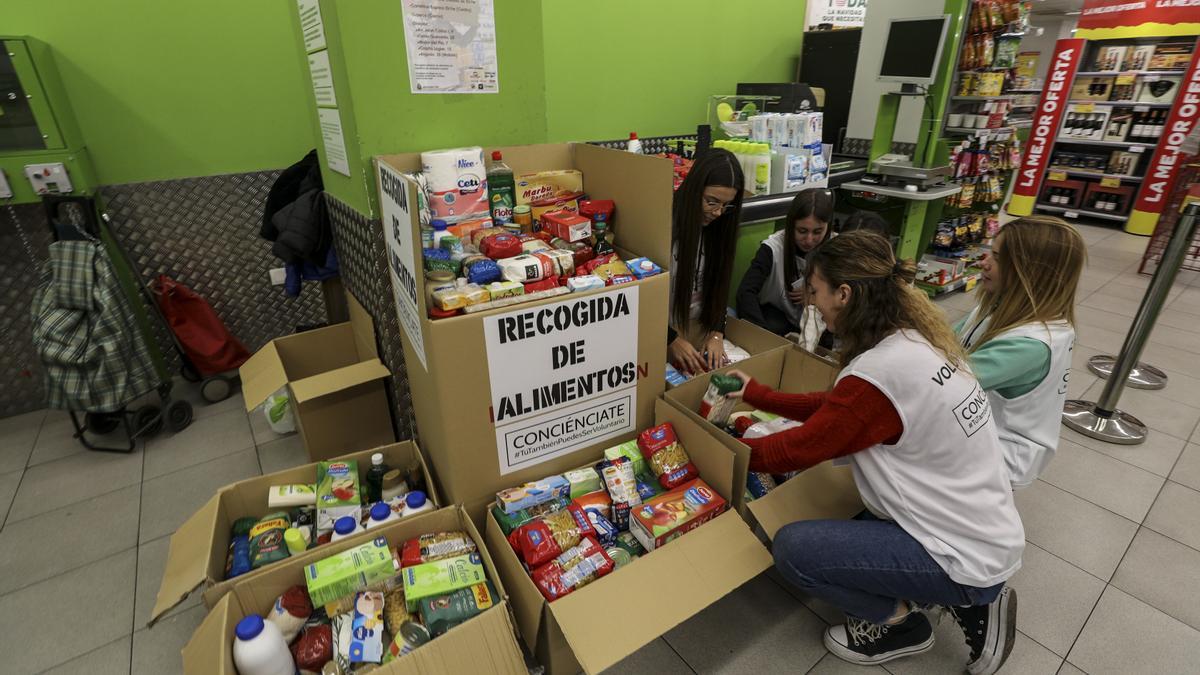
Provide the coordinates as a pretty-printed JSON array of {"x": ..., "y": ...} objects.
[{"x": 913, "y": 49}]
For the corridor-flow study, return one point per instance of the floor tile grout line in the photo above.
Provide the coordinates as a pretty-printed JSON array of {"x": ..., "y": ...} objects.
[
  {"x": 93, "y": 651},
  {"x": 1094, "y": 503},
  {"x": 67, "y": 506},
  {"x": 68, "y": 571},
  {"x": 677, "y": 654},
  {"x": 137, "y": 558},
  {"x": 23, "y": 469}
]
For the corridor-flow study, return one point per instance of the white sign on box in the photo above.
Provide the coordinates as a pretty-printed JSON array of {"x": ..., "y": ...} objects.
[
  {"x": 563, "y": 375},
  {"x": 396, "y": 198}
]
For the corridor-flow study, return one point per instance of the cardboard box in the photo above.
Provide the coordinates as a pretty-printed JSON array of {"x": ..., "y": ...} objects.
[
  {"x": 485, "y": 643},
  {"x": 198, "y": 547},
  {"x": 495, "y": 393},
  {"x": 823, "y": 491},
  {"x": 335, "y": 380},
  {"x": 754, "y": 339},
  {"x": 598, "y": 625}
]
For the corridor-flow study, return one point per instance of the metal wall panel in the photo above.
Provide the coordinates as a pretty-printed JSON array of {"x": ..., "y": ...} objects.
[{"x": 24, "y": 239}]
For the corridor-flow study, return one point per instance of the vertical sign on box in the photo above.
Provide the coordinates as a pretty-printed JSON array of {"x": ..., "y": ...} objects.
[
  {"x": 396, "y": 197},
  {"x": 1165, "y": 163},
  {"x": 1046, "y": 119},
  {"x": 563, "y": 376}
]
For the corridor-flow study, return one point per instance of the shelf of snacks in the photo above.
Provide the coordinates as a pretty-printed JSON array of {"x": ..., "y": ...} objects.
[
  {"x": 1075, "y": 213},
  {"x": 1096, "y": 174}
]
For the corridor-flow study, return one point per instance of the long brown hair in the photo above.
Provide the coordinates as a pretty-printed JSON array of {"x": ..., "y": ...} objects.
[
  {"x": 720, "y": 168},
  {"x": 882, "y": 297},
  {"x": 814, "y": 202},
  {"x": 1041, "y": 259}
]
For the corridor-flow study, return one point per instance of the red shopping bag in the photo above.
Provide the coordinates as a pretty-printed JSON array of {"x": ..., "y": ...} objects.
[{"x": 207, "y": 342}]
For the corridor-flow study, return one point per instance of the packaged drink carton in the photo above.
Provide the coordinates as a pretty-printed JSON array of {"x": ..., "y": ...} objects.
[
  {"x": 441, "y": 577},
  {"x": 338, "y": 493},
  {"x": 350, "y": 571},
  {"x": 675, "y": 513}
]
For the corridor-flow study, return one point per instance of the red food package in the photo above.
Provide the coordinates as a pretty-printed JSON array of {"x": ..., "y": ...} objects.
[
  {"x": 543, "y": 539},
  {"x": 435, "y": 546},
  {"x": 314, "y": 648},
  {"x": 543, "y": 285},
  {"x": 590, "y": 266},
  {"x": 499, "y": 246},
  {"x": 577, "y": 567},
  {"x": 598, "y": 500},
  {"x": 666, "y": 457},
  {"x": 590, "y": 208}
]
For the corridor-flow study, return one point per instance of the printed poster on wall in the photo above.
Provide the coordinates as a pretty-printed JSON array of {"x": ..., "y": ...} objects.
[
  {"x": 311, "y": 25},
  {"x": 451, "y": 46},
  {"x": 333, "y": 140},
  {"x": 563, "y": 376},
  {"x": 840, "y": 13},
  {"x": 396, "y": 197}
]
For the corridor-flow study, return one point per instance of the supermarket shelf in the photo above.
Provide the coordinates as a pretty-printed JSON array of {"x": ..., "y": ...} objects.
[
  {"x": 1024, "y": 91},
  {"x": 1006, "y": 130},
  {"x": 1107, "y": 144},
  {"x": 1075, "y": 213},
  {"x": 1139, "y": 73},
  {"x": 1121, "y": 104},
  {"x": 1005, "y": 97},
  {"x": 1093, "y": 174},
  {"x": 1024, "y": 105},
  {"x": 931, "y": 194}
]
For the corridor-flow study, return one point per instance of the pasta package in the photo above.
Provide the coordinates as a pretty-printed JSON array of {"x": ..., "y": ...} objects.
[
  {"x": 435, "y": 546},
  {"x": 666, "y": 456},
  {"x": 575, "y": 568},
  {"x": 545, "y": 538}
]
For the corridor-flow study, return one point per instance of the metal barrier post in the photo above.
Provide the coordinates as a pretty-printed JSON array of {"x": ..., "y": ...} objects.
[{"x": 1102, "y": 419}]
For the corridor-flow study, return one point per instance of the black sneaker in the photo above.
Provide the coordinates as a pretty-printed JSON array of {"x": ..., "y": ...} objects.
[
  {"x": 990, "y": 631},
  {"x": 867, "y": 643}
]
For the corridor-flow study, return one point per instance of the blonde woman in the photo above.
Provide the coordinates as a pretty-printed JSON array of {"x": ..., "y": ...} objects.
[
  {"x": 1019, "y": 337},
  {"x": 941, "y": 528}
]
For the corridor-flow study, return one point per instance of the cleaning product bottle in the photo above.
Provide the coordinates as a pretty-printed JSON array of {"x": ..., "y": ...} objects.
[
  {"x": 440, "y": 231},
  {"x": 381, "y": 514},
  {"x": 373, "y": 487},
  {"x": 634, "y": 144},
  {"x": 415, "y": 502},
  {"x": 344, "y": 527},
  {"x": 295, "y": 541},
  {"x": 259, "y": 648},
  {"x": 502, "y": 189},
  {"x": 762, "y": 169}
]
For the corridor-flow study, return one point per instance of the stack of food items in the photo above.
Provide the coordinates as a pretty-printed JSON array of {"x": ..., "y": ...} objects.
[
  {"x": 571, "y": 529},
  {"x": 553, "y": 241},
  {"x": 369, "y": 605},
  {"x": 304, "y": 516}
]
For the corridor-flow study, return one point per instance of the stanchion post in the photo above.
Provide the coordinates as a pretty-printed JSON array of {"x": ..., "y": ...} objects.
[{"x": 1102, "y": 419}]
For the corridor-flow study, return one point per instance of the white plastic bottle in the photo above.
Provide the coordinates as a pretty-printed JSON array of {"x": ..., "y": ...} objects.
[
  {"x": 381, "y": 514},
  {"x": 761, "y": 161},
  {"x": 440, "y": 232},
  {"x": 415, "y": 502},
  {"x": 634, "y": 145},
  {"x": 343, "y": 527},
  {"x": 259, "y": 648}
]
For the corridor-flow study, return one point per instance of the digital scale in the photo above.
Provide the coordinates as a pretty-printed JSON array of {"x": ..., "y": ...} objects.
[{"x": 898, "y": 171}]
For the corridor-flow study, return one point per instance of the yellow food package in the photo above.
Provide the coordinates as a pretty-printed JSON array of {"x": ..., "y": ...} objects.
[{"x": 548, "y": 186}]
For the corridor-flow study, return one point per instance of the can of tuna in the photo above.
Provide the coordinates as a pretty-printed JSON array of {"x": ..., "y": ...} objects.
[
  {"x": 619, "y": 556},
  {"x": 410, "y": 636}
]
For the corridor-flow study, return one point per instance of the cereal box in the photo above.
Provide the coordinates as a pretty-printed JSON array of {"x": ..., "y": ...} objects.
[{"x": 675, "y": 513}]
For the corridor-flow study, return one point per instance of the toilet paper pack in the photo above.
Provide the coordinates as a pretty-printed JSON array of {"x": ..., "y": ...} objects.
[{"x": 457, "y": 180}]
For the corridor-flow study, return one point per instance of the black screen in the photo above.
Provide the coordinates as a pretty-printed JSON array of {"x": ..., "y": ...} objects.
[{"x": 911, "y": 48}]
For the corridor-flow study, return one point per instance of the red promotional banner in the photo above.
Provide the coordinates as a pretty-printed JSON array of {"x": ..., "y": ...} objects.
[
  {"x": 1067, "y": 55},
  {"x": 1164, "y": 165},
  {"x": 1118, "y": 14}
]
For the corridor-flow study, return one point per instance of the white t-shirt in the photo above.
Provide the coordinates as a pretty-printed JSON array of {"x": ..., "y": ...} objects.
[{"x": 944, "y": 481}]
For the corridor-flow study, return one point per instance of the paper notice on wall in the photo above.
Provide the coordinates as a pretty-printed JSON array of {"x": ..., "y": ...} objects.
[
  {"x": 838, "y": 13},
  {"x": 311, "y": 25},
  {"x": 396, "y": 198},
  {"x": 563, "y": 376},
  {"x": 322, "y": 79},
  {"x": 335, "y": 144},
  {"x": 451, "y": 46}
]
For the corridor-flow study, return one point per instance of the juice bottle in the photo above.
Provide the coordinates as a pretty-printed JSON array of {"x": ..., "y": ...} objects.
[{"x": 502, "y": 190}]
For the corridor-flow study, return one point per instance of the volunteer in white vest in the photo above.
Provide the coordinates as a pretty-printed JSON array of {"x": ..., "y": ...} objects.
[
  {"x": 704, "y": 220},
  {"x": 771, "y": 293},
  {"x": 1019, "y": 337},
  {"x": 941, "y": 528}
]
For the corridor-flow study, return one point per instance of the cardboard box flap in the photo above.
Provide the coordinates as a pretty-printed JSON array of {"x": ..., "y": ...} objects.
[
  {"x": 667, "y": 587},
  {"x": 187, "y": 560},
  {"x": 262, "y": 375},
  {"x": 336, "y": 380},
  {"x": 824, "y": 491},
  {"x": 488, "y": 647},
  {"x": 364, "y": 329},
  {"x": 208, "y": 651},
  {"x": 527, "y": 602}
]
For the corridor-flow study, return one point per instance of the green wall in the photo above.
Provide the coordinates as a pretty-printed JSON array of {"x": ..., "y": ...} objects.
[
  {"x": 165, "y": 89},
  {"x": 618, "y": 66}
]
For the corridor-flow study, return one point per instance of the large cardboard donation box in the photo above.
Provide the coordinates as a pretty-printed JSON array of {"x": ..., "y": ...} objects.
[
  {"x": 513, "y": 394},
  {"x": 334, "y": 379},
  {"x": 483, "y": 644},
  {"x": 823, "y": 491},
  {"x": 199, "y": 546},
  {"x": 601, "y": 623}
]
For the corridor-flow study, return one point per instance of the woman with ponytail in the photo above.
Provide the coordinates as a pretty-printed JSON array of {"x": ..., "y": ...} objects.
[{"x": 940, "y": 528}]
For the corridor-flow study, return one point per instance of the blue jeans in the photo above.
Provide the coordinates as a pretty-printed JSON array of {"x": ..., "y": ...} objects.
[{"x": 863, "y": 566}]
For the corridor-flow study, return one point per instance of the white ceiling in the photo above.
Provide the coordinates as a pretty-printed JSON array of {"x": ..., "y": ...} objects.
[{"x": 1056, "y": 6}]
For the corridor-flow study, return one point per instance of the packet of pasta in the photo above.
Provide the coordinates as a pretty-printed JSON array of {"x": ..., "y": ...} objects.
[{"x": 666, "y": 457}]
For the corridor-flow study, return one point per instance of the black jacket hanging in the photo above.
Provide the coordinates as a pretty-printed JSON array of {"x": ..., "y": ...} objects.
[{"x": 295, "y": 217}]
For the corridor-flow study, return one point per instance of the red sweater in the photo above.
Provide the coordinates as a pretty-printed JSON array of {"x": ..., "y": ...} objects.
[{"x": 852, "y": 417}]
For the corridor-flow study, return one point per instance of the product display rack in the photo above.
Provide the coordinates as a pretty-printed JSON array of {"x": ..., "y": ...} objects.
[{"x": 1113, "y": 122}]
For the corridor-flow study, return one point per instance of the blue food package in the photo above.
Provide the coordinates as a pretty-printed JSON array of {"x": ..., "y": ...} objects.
[
  {"x": 606, "y": 532},
  {"x": 239, "y": 556},
  {"x": 759, "y": 484},
  {"x": 674, "y": 377},
  {"x": 483, "y": 272},
  {"x": 643, "y": 267}
]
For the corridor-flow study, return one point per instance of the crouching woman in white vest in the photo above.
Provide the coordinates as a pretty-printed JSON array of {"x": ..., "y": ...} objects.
[
  {"x": 940, "y": 529},
  {"x": 1020, "y": 335}
]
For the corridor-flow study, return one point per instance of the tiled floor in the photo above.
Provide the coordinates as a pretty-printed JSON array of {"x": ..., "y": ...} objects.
[{"x": 1110, "y": 583}]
